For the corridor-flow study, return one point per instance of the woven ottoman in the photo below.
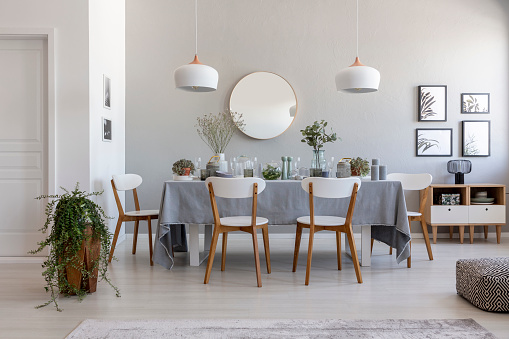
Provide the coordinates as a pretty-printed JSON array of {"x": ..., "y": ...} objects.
[{"x": 484, "y": 282}]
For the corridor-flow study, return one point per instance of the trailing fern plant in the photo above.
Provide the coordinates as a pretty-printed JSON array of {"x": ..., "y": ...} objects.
[{"x": 67, "y": 217}]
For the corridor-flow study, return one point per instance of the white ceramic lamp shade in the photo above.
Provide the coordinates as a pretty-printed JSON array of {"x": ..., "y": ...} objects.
[
  {"x": 358, "y": 79},
  {"x": 196, "y": 77}
]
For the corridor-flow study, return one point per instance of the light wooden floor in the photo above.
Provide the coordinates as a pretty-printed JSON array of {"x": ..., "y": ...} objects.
[{"x": 426, "y": 291}]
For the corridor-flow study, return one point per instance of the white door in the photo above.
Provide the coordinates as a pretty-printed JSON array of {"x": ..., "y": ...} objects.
[{"x": 23, "y": 144}]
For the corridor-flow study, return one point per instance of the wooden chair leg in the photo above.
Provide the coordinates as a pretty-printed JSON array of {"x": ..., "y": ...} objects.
[
  {"x": 372, "y": 243},
  {"x": 434, "y": 229},
  {"x": 461, "y": 231},
  {"x": 257, "y": 257},
  {"x": 424, "y": 227},
  {"x": 115, "y": 237},
  {"x": 499, "y": 233},
  {"x": 409, "y": 259},
  {"x": 338, "y": 248},
  {"x": 212, "y": 252},
  {"x": 353, "y": 250},
  {"x": 265, "y": 232},
  {"x": 135, "y": 235},
  {"x": 223, "y": 252},
  {"x": 298, "y": 235},
  {"x": 485, "y": 232},
  {"x": 390, "y": 250},
  {"x": 149, "y": 221},
  {"x": 451, "y": 231},
  {"x": 310, "y": 254}
]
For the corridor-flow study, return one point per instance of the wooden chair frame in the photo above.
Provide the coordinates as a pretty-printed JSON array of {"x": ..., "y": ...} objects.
[
  {"x": 313, "y": 228},
  {"x": 123, "y": 218},
  {"x": 219, "y": 228}
]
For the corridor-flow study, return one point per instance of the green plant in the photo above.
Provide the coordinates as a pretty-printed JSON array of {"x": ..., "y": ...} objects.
[
  {"x": 180, "y": 166},
  {"x": 67, "y": 217},
  {"x": 271, "y": 172},
  {"x": 315, "y": 135},
  {"x": 360, "y": 166},
  {"x": 216, "y": 130}
]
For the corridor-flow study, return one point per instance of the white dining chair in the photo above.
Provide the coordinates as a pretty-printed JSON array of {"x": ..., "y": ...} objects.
[
  {"x": 335, "y": 189},
  {"x": 415, "y": 182},
  {"x": 129, "y": 182},
  {"x": 237, "y": 188}
]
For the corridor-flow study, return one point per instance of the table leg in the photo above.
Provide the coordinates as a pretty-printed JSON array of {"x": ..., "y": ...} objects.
[
  {"x": 194, "y": 245},
  {"x": 499, "y": 233},
  {"x": 434, "y": 229},
  {"x": 365, "y": 258},
  {"x": 471, "y": 234},
  {"x": 461, "y": 230}
]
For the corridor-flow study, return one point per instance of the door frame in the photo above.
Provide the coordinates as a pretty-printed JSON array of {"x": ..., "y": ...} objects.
[{"x": 47, "y": 34}]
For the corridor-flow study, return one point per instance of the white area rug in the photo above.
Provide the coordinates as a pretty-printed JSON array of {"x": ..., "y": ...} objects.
[{"x": 221, "y": 329}]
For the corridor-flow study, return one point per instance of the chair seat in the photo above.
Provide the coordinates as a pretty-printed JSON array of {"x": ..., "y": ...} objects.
[
  {"x": 413, "y": 214},
  {"x": 323, "y": 220},
  {"x": 242, "y": 221},
  {"x": 142, "y": 213}
]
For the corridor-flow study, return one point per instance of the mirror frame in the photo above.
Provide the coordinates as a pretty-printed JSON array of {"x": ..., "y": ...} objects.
[{"x": 294, "y": 94}]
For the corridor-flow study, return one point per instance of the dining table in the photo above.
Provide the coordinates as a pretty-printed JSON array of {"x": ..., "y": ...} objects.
[{"x": 380, "y": 212}]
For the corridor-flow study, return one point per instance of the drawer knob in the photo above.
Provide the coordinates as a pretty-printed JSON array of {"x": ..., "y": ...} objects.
[
  {"x": 486, "y": 208},
  {"x": 450, "y": 209}
]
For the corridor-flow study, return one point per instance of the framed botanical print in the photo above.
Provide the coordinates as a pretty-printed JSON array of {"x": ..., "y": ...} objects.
[
  {"x": 433, "y": 142},
  {"x": 476, "y": 138},
  {"x": 476, "y": 103},
  {"x": 106, "y": 92},
  {"x": 433, "y": 103}
]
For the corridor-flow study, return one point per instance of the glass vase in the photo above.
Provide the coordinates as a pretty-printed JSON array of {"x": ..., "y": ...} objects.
[{"x": 318, "y": 163}]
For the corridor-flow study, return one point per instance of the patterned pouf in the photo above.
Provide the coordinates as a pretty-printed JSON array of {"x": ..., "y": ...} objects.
[{"x": 484, "y": 282}]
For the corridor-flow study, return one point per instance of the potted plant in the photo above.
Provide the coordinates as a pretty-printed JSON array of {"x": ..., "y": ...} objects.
[
  {"x": 79, "y": 244},
  {"x": 360, "y": 167},
  {"x": 316, "y": 136},
  {"x": 216, "y": 130},
  {"x": 182, "y": 169}
]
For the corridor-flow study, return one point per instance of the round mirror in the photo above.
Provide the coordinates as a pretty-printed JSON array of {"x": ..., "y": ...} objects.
[{"x": 267, "y": 102}]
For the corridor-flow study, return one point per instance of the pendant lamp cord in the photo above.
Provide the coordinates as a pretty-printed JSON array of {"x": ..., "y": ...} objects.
[
  {"x": 357, "y": 47},
  {"x": 196, "y": 27}
]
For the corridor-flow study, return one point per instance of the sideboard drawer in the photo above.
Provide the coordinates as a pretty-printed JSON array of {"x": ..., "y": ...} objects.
[
  {"x": 449, "y": 214},
  {"x": 489, "y": 214}
]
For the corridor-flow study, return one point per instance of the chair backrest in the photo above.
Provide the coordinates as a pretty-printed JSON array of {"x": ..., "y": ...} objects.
[
  {"x": 127, "y": 182},
  {"x": 412, "y": 182},
  {"x": 331, "y": 187},
  {"x": 235, "y": 187}
]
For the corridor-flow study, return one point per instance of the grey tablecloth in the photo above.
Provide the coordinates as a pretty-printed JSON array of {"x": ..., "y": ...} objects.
[{"x": 379, "y": 203}]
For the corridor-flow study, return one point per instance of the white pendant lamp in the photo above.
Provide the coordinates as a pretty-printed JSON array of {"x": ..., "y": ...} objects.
[
  {"x": 358, "y": 78},
  {"x": 196, "y": 77}
]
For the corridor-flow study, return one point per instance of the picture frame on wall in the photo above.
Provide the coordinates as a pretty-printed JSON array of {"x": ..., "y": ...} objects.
[
  {"x": 107, "y": 129},
  {"x": 432, "y": 103},
  {"x": 476, "y": 138},
  {"x": 475, "y": 103},
  {"x": 433, "y": 142},
  {"x": 106, "y": 92}
]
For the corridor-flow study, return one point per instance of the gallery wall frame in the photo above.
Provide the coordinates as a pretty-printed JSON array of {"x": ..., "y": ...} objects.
[
  {"x": 432, "y": 103},
  {"x": 106, "y": 91},
  {"x": 433, "y": 142},
  {"x": 475, "y": 103},
  {"x": 107, "y": 129},
  {"x": 476, "y": 138}
]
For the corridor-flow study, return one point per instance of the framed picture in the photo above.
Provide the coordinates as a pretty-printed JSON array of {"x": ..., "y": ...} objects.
[
  {"x": 433, "y": 103},
  {"x": 476, "y": 138},
  {"x": 106, "y": 92},
  {"x": 475, "y": 103},
  {"x": 433, "y": 142},
  {"x": 106, "y": 129}
]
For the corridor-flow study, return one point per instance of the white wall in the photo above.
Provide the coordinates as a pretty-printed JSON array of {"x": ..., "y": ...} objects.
[
  {"x": 89, "y": 42},
  {"x": 459, "y": 43},
  {"x": 107, "y": 56}
]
